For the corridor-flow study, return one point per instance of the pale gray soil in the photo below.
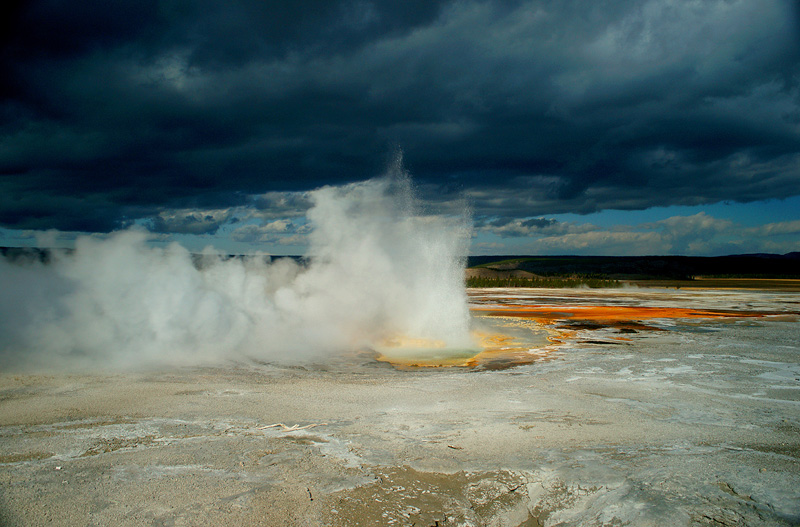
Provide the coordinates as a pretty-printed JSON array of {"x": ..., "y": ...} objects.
[{"x": 695, "y": 425}]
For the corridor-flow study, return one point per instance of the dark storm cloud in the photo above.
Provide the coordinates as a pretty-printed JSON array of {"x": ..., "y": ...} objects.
[
  {"x": 516, "y": 228},
  {"x": 117, "y": 110}
]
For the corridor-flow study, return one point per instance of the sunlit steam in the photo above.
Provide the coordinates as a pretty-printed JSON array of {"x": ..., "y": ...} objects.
[{"x": 379, "y": 273}]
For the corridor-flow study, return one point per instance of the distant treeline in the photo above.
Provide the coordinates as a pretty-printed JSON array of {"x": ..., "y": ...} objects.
[
  {"x": 756, "y": 276},
  {"x": 27, "y": 254},
  {"x": 567, "y": 268},
  {"x": 649, "y": 267},
  {"x": 45, "y": 255},
  {"x": 542, "y": 282}
]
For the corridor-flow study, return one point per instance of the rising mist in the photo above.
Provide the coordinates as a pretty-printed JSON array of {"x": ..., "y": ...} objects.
[{"x": 378, "y": 269}]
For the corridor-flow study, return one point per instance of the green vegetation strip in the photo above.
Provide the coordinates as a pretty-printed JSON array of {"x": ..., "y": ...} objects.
[
  {"x": 752, "y": 276},
  {"x": 548, "y": 282}
]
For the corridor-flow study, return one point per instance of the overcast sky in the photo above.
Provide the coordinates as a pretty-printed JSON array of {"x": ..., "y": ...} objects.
[{"x": 569, "y": 127}]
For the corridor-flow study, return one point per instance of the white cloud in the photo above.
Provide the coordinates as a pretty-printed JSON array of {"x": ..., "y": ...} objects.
[
  {"x": 280, "y": 204},
  {"x": 698, "y": 234},
  {"x": 281, "y": 232},
  {"x": 776, "y": 229},
  {"x": 606, "y": 243},
  {"x": 689, "y": 225},
  {"x": 190, "y": 221}
]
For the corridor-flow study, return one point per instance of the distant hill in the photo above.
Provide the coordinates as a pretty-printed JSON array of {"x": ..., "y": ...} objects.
[{"x": 647, "y": 267}]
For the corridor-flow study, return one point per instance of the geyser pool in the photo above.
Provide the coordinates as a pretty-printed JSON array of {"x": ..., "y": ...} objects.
[
  {"x": 499, "y": 342},
  {"x": 378, "y": 268}
]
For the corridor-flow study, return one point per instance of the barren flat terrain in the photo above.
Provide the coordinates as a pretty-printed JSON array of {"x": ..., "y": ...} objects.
[{"x": 603, "y": 407}]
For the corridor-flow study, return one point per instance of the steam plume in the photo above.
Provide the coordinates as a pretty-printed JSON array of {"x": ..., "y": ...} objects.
[{"x": 378, "y": 269}]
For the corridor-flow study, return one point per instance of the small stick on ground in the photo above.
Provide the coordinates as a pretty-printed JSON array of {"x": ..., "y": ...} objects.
[{"x": 290, "y": 428}]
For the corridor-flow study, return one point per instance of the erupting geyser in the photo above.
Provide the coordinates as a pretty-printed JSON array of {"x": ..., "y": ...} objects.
[{"x": 380, "y": 275}]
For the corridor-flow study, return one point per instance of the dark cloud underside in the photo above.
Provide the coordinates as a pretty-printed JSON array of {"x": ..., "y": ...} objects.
[{"x": 115, "y": 110}]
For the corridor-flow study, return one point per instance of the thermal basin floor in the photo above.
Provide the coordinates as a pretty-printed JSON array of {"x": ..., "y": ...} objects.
[{"x": 648, "y": 407}]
